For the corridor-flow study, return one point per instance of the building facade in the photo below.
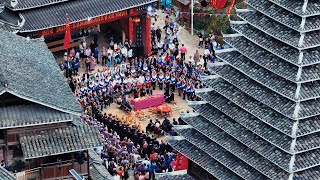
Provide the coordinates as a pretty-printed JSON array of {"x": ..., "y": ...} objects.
[
  {"x": 41, "y": 135},
  {"x": 38, "y": 18},
  {"x": 259, "y": 118}
]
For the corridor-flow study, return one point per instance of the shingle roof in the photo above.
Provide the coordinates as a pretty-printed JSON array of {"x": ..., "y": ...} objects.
[
  {"x": 59, "y": 141},
  {"x": 201, "y": 158},
  {"x": 28, "y": 70},
  {"x": 5, "y": 175},
  {"x": 10, "y": 17},
  {"x": 312, "y": 9},
  {"x": 55, "y": 15},
  {"x": 177, "y": 177},
  {"x": 9, "y": 20},
  {"x": 28, "y": 4},
  {"x": 97, "y": 170},
  {"x": 30, "y": 115}
]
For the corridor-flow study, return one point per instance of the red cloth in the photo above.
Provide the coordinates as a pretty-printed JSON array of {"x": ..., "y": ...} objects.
[
  {"x": 219, "y": 4},
  {"x": 183, "y": 164},
  {"x": 67, "y": 36},
  {"x": 148, "y": 102}
]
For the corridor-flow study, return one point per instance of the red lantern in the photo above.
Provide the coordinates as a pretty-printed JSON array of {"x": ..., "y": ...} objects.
[
  {"x": 219, "y": 4},
  {"x": 136, "y": 20}
]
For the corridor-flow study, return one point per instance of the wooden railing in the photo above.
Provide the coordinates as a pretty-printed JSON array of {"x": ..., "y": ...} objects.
[
  {"x": 53, "y": 171},
  {"x": 29, "y": 174}
]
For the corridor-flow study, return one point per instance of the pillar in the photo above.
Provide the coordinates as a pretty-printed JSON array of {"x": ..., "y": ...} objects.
[
  {"x": 130, "y": 25},
  {"x": 147, "y": 34}
]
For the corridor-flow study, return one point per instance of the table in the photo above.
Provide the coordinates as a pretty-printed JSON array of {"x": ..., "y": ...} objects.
[{"x": 146, "y": 102}]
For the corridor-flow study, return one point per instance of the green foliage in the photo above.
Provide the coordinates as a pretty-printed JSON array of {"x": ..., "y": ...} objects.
[{"x": 17, "y": 166}]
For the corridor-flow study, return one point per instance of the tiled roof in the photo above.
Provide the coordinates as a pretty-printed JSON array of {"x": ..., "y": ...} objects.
[
  {"x": 5, "y": 175},
  {"x": 272, "y": 62},
  {"x": 55, "y": 15},
  {"x": 59, "y": 141},
  {"x": 202, "y": 159},
  {"x": 280, "y": 31},
  {"x": 10, "y": 17},
  {"x": 97, "y": 170},
  {"x": 254, "y": 160},
  {"x": 313, "y": 7},
  {"x": 28, "y": 4},
  {"x": 263, "y": 105},
  {"x": 177, "y": 177},
  {"x": 30, "y": 115},
  {"x": 28, "y": 70},
  {"x": 9, "y": 20},
  {"x": 285, "y": 17}
]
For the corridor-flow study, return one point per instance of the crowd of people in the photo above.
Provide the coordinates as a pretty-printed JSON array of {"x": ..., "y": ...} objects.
[
  {"x": 125, "y": 75},
  {"x": 125, "y": 147}
]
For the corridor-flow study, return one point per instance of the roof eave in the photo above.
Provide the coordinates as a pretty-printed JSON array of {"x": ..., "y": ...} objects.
[
  {"x": 44, "y": 104},
  {"x": 40, "y": 29}
]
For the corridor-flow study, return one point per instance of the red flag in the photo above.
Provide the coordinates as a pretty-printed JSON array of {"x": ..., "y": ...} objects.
[{"x": 67, "y": 36}]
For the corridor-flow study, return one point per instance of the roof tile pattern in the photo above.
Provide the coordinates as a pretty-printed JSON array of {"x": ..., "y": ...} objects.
[
  {"x": 263, "y": 107},
  {"x": 5, "y": 175},
  {"x": 55, "y": 15},
  {"x": 36, "y": 78},
  {"x": 280, "y": 31},
  {"x": 28, "y": 4},
  {"x": 203, "y": 159},
  {"x": 285, "y": 17},
  {"x": 30, "y": 115},
  {"x": 279, "y": 48},
  {"x": 312, "y": 9},
  {"x": 59, "y": 141}
]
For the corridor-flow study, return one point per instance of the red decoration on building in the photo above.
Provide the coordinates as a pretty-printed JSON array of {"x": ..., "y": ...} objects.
[
  {"x": 219, "y": 4},
  {"x": 148, "y": 35},
  {"x": 130, "y": 29},
  {"x": 67, "y": 36}
]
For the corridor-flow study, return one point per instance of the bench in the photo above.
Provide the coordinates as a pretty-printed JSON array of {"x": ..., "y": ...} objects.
[{"x": 60, "y": 48}]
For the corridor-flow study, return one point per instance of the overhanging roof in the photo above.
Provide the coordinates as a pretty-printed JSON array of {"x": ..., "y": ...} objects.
[
  {"x": 59, "y": 141},
  {"x": 29, "y": 4},
  {"x": 6, "y": 175},
  {"x": 28, "y": 70},
  {"x": 77, "y": 10},
  {"x": 31, "y": 115}
]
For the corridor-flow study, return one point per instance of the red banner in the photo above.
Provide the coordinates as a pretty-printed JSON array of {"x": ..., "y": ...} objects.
[
  {"x": 67, "y": 36},
  {"x": 90, "y": 22}
]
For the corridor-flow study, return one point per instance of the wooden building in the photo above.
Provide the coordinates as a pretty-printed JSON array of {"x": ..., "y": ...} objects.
[
  {"x": 40, "y": 123},
  {"x": 47, "y": 18}
]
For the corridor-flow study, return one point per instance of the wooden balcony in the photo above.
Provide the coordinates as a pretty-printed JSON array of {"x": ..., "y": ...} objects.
[{"x": 53, "y": 171}]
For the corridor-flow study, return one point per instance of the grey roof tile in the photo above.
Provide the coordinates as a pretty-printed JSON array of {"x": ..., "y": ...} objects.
[
  {"x": 237, "y": 149},
  {"x": 28, "y": 4},
  {"x": 30, "y": 115},
  {"x": 272, "y": 62},
  {"x": 214, "y": 118},
  {"x": 10, "y": 17},
  {"x": 276, "y": 83},
  {"x": 203, "y": 159},
  {"x": 285, "y": 17},
  {"x": 30, "y": 72},
  {"x": 268, "y": 97},
  {"x": 55, "y": 15},
  {"x": 280, "y": 31},
  {"x": 313, "y": 6},
  {"x": 289, "y": 53},
  {"x": 6, "y": 175},
  {"x": 59, "y": 141}
]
